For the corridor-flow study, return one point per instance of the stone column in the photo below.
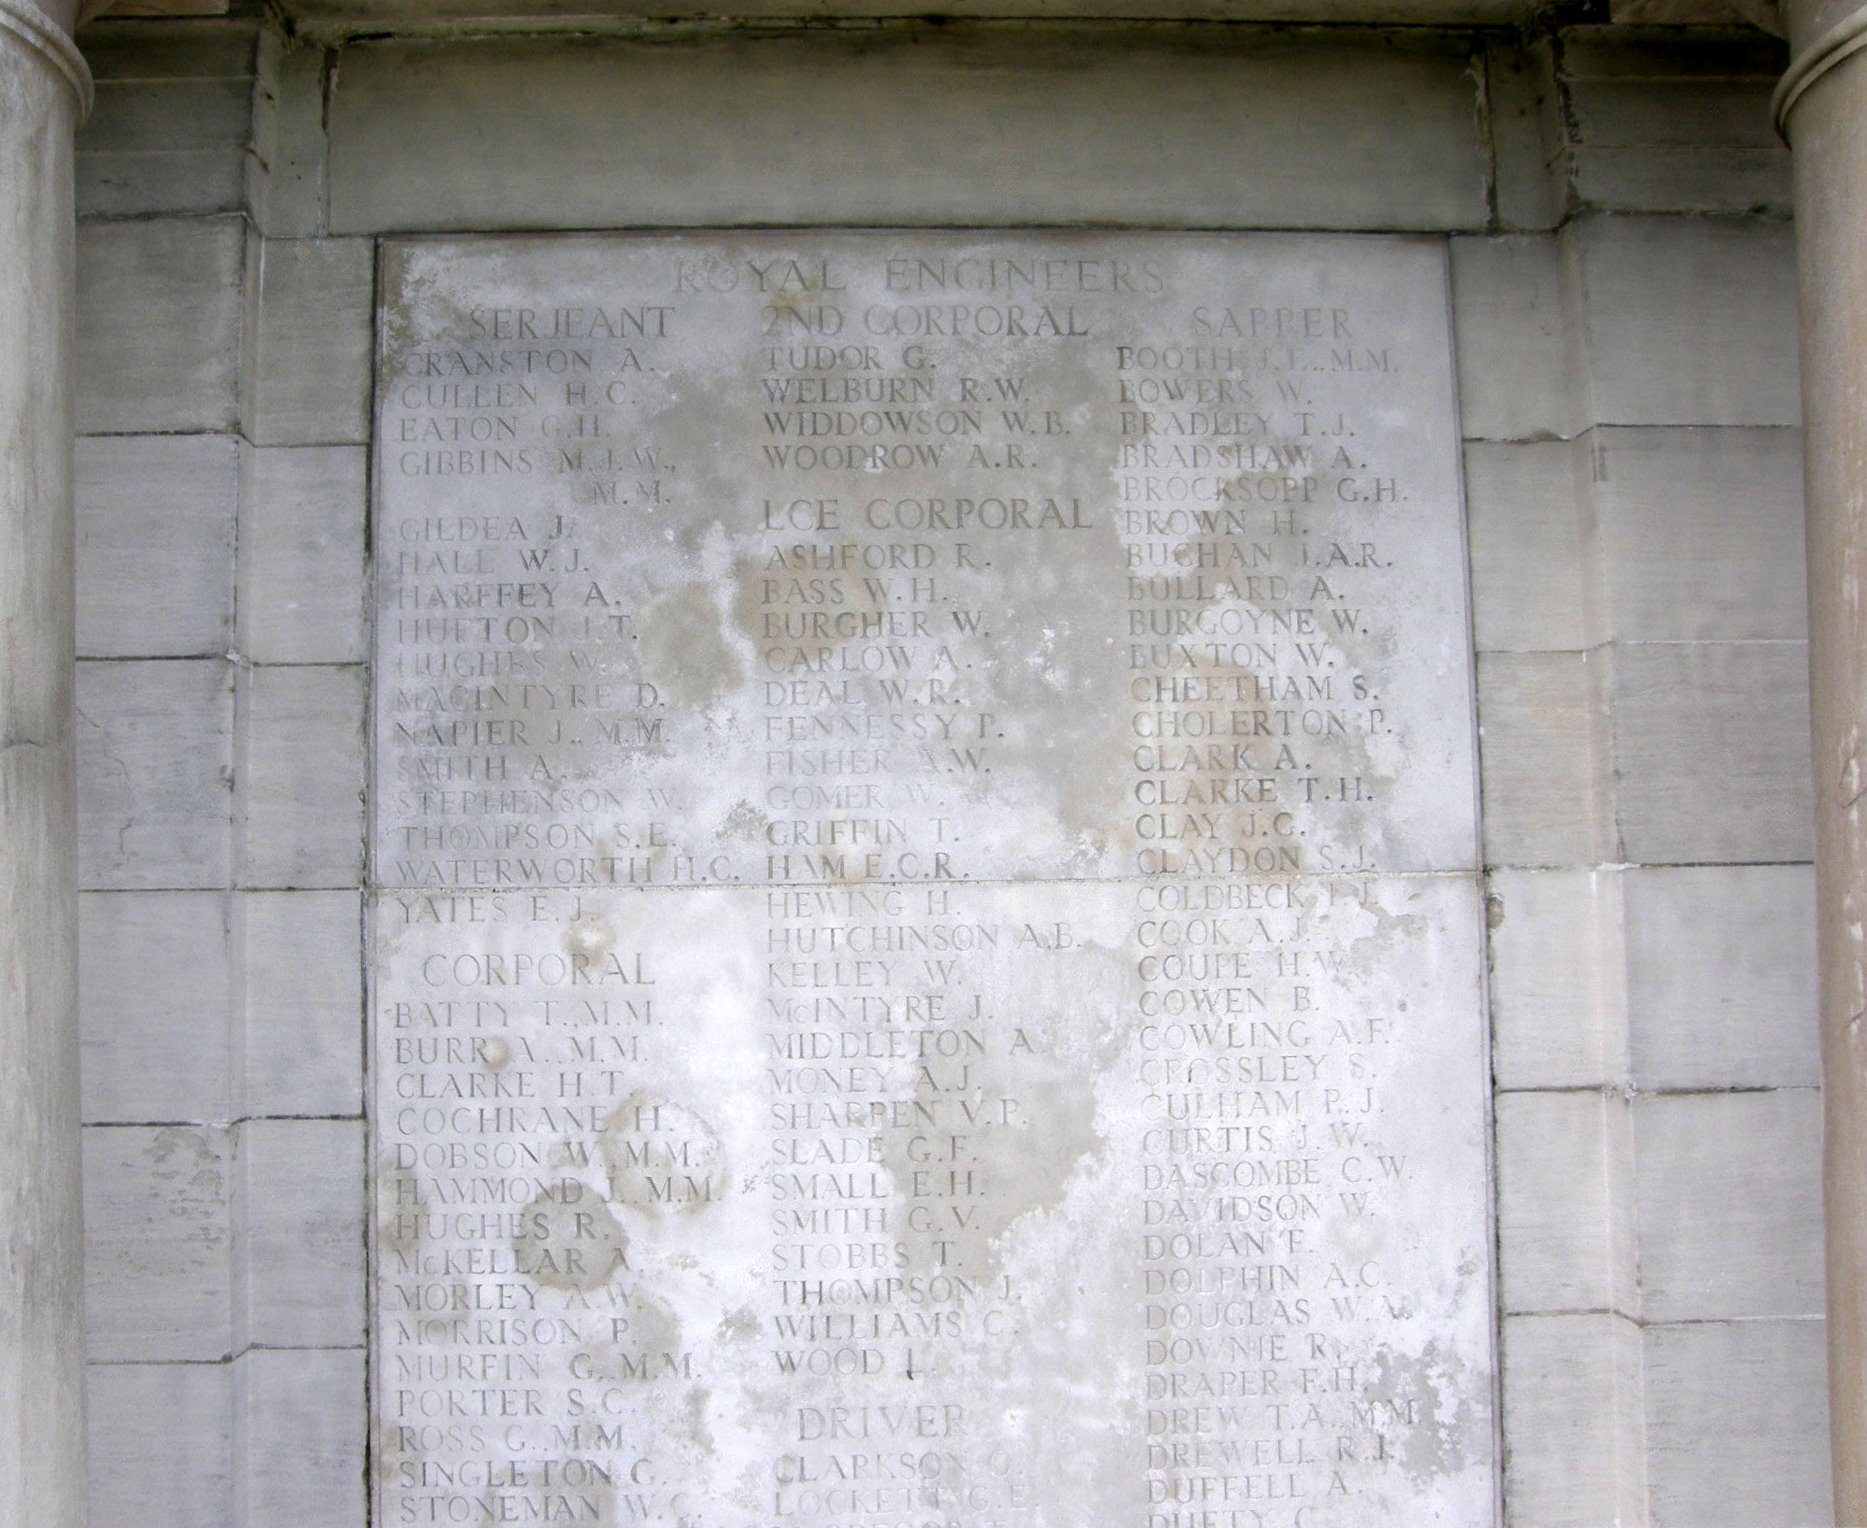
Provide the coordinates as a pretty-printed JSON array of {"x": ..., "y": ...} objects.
[
  {"x": 44, "y": 91},
  {"x": 1821, "y": 108}
]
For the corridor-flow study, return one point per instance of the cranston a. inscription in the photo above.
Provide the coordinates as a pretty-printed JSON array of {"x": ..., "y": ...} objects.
[{"x": 926, "y": 932}]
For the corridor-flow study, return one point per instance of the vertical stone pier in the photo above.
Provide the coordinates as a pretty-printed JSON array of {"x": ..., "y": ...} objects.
[
  {"x": 44, "y": 91},
  {"x": 1821, "y": 107}
]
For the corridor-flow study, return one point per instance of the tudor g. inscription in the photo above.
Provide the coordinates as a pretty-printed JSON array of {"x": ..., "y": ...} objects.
[{"x": 926, "y": 956}]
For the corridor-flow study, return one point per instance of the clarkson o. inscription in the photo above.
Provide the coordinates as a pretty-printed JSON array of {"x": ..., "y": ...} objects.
[{"x": 926, "y": 955}]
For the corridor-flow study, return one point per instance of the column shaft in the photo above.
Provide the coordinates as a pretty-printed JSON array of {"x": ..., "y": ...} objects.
[
  {"x": 1828, "y": 130},
  {"x": 42, "y": 1467}
]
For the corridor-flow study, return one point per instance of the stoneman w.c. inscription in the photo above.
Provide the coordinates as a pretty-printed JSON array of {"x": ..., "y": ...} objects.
[{"x": 926, "y": 922}]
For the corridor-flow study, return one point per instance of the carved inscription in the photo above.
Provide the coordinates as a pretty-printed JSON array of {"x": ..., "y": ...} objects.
[{"x": 926, "y": 948}]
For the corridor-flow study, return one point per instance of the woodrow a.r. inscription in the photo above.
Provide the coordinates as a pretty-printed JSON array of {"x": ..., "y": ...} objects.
[{"x": 926, "y": 928}]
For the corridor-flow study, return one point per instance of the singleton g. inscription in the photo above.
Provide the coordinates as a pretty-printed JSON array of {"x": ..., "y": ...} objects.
[{"x": 926, "y": 929}]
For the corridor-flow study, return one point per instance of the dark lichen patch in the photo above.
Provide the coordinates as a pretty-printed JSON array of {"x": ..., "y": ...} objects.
[
  {"x": 570, "y": 1239},
  {"x": 401, "y": 1211},
  {"x": 661, "y": 1157},
  {"x": 684, "y": 651}
]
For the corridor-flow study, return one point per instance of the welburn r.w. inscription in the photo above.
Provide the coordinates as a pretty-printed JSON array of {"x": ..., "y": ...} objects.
[{"x": 926, "y": 933}]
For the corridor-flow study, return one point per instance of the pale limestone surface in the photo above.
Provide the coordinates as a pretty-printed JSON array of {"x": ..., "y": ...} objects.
[
  {"x": 41, "y": 1290},
  {"x": 957, "y": 125},
  {"x": 155, "y": 549},
  {"x": 1572, "y": 1383},
  {"x": 1540, "y": 743},
  {"x": 1558, "y": 978},
  {"x": 159, "y": 1286},
  {"x": 158, "y": 334},
  {"x": 307, "y": 338},
  {"x": 155, "y": 765},
  {"x": 161, "y": 1432},
  {"x": 301, "y": 579},
  {"x": 300, "y": 1282},
  {"x": 731, "y": 641},
  {"x": 1513, "y": 320},
  {"x": 829, "y": 994},
  {"x": 1686, "y": 320},
  {"x": 1711, "y": 751},
  {"x": 301, "y": 1459},
  {"x": 1730, "y": 1223},
  {"x": 1730, "y": 1405},
  {"x": 1526, "y": 557},
  {"x": 1721, "y": 976},
  {"x": 303, "y": 1054},
  {"x": 1566, "y": 1218},
  {"x": 301, "y": 776},
  {"x": 153, "y": 1005},
  {"x": 1697, "y": 534},
  {"x": 1576, "y": 1450}
]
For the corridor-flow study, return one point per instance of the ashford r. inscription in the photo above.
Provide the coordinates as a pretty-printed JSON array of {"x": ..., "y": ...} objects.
[{"x": 926, "y": 930}]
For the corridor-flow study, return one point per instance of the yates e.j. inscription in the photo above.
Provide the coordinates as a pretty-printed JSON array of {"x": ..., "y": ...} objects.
[{"x": 926, "y": 931}]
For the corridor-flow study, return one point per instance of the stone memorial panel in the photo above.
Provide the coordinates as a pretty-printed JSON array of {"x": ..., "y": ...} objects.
[{"x": 927, "y": 962}]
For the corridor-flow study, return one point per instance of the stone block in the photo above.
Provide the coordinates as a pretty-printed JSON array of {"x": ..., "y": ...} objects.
[
  {"x": 1689, "y": 111},
  {"x": 1737, "y": 1425},
  {"x": 1721, "y": 977},
  {"x": 1539, "y": 716},
  {"x": 158, "y": 343},
  {"x": 158, "y": 1243},
  {"x": 301, "y": 792},
  {"x": 169, "y": 131},
  {"x": 307, "y": 360},
  {"x": 1697, "y": 534},
  {"x": 180, "y": 183},
  {"x": 1730, "y": 1209},
  {"x": 285, "y": 187},
  {"x": 153, "y": 1006},
  {"x": 1574, "y": 1455},
  {"x": 302, "y": 978},
  {"x": 155, "y": 760},
  {"x": 1648, "y": 178},
  {"x": 1526, "y": 131},
  {"x": 165, "y": 115},
  {"x": 1609, "y": 52},
  {"x": 302, "y": 569},
  {"x": 1526, "y": 547},
  {"x": 304, "y": 1420},
  {"x": 954, "y": 125},
  {"x": 1686, "y": 320},
  {"x": 160, "y": 1445},
  {"x": 1685, "y": 143},
  {"x": 1565, "y": 1206},
  {"x": 302, "y": 1218},
  {"x": 1711, "y": 752},
  {"x": 1558, "y": 1008},
  {"x": 121, "y": 51},
  {"x": 1511, "y": 327},
  {"x": 155, "y": 544}
]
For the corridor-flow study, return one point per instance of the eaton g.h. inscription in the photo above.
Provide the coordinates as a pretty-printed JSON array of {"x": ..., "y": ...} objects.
[{"x": 926, "y": 933}]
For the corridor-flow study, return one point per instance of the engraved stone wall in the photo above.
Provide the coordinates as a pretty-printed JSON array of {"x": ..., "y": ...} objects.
[{"x": 927, "y": 953}]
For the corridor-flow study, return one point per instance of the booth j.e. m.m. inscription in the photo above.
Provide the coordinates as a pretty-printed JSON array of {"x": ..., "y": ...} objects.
[{"x": 926, "y": 956}]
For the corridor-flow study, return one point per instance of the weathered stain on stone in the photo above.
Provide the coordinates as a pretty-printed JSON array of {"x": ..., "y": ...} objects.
[
  {"x": 570, "y": 1239},
  {"x": 683, "y": 651},
  {"x": 661, "y": 1157}
]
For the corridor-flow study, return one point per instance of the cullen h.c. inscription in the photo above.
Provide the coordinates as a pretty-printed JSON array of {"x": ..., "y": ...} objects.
[{"x": 926, "y": 940}]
